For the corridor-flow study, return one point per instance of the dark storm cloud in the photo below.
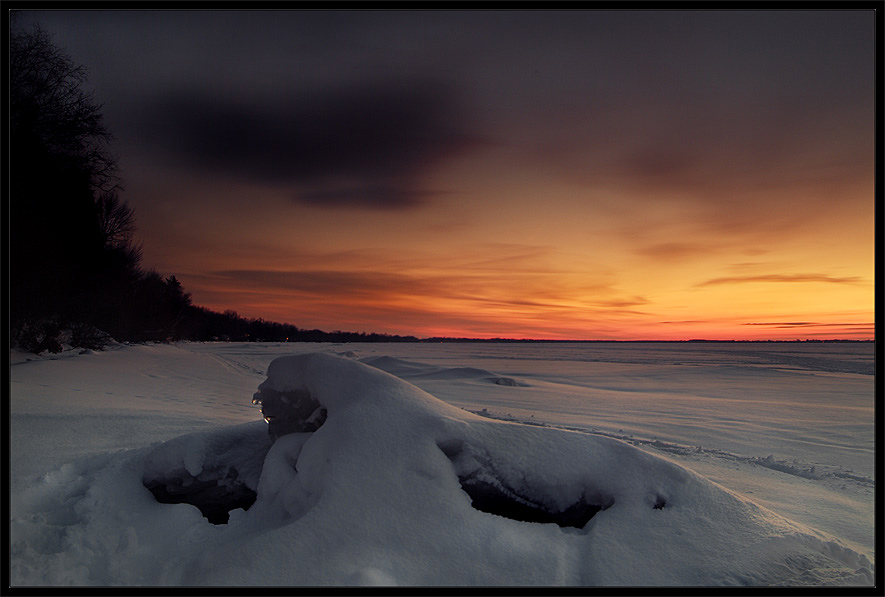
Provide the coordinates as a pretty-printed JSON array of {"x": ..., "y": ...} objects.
[
  {"x": 366, "y": 144},
  {"x": 691, "y": 100}
]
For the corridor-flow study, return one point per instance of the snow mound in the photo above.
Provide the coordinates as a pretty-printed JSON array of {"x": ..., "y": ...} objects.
[{"x": 395, "y": 487}]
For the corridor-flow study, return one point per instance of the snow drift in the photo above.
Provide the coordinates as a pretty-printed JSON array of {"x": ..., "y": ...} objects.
[{"x": 361, "y": 478}]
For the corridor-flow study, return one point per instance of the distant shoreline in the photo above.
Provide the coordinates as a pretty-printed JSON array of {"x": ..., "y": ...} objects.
[
  {"x": 696, "y": 341},
  {"x": 552, "y": 341}
]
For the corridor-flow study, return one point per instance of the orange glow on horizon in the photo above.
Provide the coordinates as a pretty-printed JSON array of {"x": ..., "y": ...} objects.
[
  {"x": 425, "y": 316},
  {"x": 503, "y": 175},
  {"x": 671, "y": 273}
]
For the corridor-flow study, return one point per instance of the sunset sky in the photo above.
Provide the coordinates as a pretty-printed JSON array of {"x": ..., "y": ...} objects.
[{"x": 522, "y": 174}]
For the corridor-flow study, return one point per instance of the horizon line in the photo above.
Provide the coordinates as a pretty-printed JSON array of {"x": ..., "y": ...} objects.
[{"x": 443, "y": 339}]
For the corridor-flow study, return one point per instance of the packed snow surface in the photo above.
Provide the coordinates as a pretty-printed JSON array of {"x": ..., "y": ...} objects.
[{"x": 426, "y": 465}]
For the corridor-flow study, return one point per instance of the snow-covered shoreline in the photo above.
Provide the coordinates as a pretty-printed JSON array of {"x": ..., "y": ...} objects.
[{"x": 377, "y": 494}]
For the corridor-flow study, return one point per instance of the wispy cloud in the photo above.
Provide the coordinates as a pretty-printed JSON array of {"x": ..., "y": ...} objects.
[
  {"x": 674, "y": 251},
  {"x": 793, "y": 278},
  {"x": 802, "y": 324},
  {"x": 483, "y": 299}
]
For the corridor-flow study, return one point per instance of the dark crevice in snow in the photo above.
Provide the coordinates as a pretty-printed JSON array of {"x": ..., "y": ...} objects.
[
  {"x": 495, "y": 499},
  {"x": 214, "y": 494},
  {"x": 491, "y": 494},
  {"x": 293, "y": 411}
]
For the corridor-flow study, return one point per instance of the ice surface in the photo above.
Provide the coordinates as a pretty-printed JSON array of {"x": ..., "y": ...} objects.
[{"x": 396, "y": 486}]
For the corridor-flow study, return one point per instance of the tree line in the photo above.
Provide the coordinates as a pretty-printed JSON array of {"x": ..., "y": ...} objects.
[{"x": 75, "y": 268}]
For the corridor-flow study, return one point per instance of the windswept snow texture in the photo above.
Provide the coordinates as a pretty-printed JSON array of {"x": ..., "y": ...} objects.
[{"x": 390, "y": 486}]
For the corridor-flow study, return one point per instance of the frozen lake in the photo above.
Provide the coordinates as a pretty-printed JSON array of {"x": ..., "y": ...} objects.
[{"x": 788, "y": 426}]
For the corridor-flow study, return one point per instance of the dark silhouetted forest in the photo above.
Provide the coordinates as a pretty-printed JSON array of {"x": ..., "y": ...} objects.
[{"x": 75, "y": 269}]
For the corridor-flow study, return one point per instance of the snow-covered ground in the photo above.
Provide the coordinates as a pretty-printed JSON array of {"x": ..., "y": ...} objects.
[{"x": 445, "y": 464}]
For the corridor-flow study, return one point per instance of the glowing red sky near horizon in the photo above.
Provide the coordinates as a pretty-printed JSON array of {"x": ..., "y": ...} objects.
[{"x": 563, "y": 175}]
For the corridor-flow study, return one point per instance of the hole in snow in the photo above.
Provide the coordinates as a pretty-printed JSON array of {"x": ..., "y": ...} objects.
[
  {"x": 490, "y": 493},
  {"x": 493, "y": 498},
  {"x": 293, "y": 411},
  {"x": 660, "y": 502},
  {"x": 214, "y": 494}
]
